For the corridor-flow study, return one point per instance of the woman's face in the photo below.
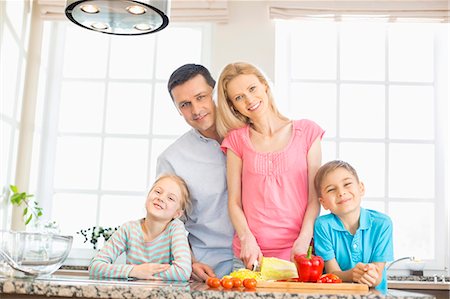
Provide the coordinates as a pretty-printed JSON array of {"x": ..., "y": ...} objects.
[{"x": 248, "y": 95}]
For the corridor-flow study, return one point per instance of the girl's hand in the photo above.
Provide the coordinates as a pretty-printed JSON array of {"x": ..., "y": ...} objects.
[
  {"x": 250, "y": 252},
  {"x": 147, "y": 270}
]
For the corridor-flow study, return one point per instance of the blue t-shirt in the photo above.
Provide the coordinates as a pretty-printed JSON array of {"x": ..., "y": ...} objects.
[{"x": 371, "y": 243}]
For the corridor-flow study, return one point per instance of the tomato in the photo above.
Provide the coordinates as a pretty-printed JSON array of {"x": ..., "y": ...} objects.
[
  {"x": 249, "y": 283},
  {"x": 213, "y": 282},
  {"x": 226, "y": 283},
  {"x": 237, "y": 282},
  {"x": 329, "y": 278}
]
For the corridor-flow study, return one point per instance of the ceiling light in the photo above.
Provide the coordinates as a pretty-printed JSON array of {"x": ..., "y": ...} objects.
[{"x": 120, "y": 17}]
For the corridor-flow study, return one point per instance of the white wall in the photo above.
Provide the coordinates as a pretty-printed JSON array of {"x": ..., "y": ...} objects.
[{"x": 248, "y": 36}]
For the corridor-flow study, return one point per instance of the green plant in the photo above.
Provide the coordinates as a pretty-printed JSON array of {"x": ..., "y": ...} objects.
[
  {"x": 94, "y": 233},
  {"x": 31, "y": 207}
]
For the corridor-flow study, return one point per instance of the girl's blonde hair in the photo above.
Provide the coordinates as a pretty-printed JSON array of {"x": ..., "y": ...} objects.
[
  {"x": 227, "y": 117},
  {"x": 185, "y": 201}
]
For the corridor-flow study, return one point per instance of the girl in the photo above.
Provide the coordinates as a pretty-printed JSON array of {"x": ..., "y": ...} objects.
[
  {"x": 156, "y": 246},
  {"x": 271, "y": 164}
]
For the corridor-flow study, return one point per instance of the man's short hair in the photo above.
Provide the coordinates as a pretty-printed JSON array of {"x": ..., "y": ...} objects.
[{"x": 187, "y": 72}]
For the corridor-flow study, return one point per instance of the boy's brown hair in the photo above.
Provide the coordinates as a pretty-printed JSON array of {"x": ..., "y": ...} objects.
[{"x": 328, "y": 167}]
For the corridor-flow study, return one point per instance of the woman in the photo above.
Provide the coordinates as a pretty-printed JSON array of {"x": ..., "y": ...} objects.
[{"x": 271, "y": 164}]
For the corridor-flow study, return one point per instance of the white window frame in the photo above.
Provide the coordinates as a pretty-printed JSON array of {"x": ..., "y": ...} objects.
[{"x": 442, "y": 131}]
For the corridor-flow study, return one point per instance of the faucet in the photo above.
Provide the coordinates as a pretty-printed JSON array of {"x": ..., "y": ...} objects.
[{"x": 411, "y": 258}]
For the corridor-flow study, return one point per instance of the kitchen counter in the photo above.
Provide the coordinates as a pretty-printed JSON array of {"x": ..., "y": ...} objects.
[{"x": 79, "y": 285}]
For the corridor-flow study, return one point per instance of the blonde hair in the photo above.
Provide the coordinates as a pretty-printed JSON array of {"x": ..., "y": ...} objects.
[
  {"x": 328, "y": 167},
  {"x": 185, "y": 201},
  {"x": 227, "y": 117}
]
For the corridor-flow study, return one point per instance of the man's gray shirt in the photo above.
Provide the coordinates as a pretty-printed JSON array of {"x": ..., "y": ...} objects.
[{"x": 202, "y": 164}]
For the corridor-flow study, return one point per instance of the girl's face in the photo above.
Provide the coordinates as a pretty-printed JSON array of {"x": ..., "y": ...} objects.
[
  {"x": 340, "y": 192},
  {"x": 248, "y": 95},
  {"x": 164, "y": 200}
]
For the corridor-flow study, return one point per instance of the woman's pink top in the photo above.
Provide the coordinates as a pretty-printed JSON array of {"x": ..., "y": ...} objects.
[{"x": 274, "y": 187}]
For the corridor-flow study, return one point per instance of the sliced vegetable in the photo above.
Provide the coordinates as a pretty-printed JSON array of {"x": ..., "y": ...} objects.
[{"x": 329, "y": 278}]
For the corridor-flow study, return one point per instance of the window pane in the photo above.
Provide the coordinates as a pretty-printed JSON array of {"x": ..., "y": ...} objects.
[
  {"x": 166, "y": 119},
  {"x": 368, "y": 161},
  {"x": 169, "y": 43},
  {"x": 362, "y": 111},
  {"x": 77, "y": 163},
  {"x": 413, "y": 237},
  {"x": 373, "y": 205},
  {"x": 15, "y": 13},
  {"x": 5, "y": 155},
  {"x": 417, "y": 120},
  {"x": 81, "y": 107},
  {"x": 125, "y": 164},
  {"x": 309, "y": 100},
  {"x": 9, "y": 65},
  {"x": 128, "y": 108},
  {"x": 411, "y": 170},
  {"x": 81, "y": 61},
  {"x": 116, "y": 210},
  {"x": 328, "y": 150},
  {"x": 313, "y": 51},
  {"x": 362, "y": 48},
  {"x": 74, "y": 212},
  {"x": 411, "y": 52},
  {"x": 132, "y": 58},
  {"x": 158, "y": 146}
]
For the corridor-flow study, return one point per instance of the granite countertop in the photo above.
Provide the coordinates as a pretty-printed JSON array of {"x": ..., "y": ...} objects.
[{"x": 81, "y": 286}]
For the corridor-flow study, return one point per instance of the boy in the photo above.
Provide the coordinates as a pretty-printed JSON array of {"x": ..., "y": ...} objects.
[{"x": 354, "y": 242}]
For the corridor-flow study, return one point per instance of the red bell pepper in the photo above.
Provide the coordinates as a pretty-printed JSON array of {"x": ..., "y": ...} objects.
[{"x": 309, "y": 267}]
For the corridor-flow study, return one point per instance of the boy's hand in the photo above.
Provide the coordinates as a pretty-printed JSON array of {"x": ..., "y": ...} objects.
[
  {"x": 147, "y": 270},
  {"x": 365, "y": 274}
]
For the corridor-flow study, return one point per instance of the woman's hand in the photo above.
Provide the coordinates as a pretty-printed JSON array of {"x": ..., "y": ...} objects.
[
  {"x": 298, "y": 248},
  {"x": 148, "y": 270},
  {"x": 250, "y": 251}
]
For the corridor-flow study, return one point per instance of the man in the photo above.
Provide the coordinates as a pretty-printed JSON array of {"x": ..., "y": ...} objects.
[{"x": 196, "y": 157}]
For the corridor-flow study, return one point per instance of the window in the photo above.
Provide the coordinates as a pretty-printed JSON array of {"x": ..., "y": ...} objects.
[
  {"x": 15, "y": 18},
  {"x": 109, "y": 117},
  {"x": 376, "y": 88}
]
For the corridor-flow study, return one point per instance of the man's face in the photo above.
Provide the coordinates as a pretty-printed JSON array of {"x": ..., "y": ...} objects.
[{"x": 193, "y": 100}]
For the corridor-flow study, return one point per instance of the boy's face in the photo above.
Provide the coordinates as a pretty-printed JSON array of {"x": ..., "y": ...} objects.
[
  {"x": 164, "y": 200},
  {"x": 340, "y": 192}
]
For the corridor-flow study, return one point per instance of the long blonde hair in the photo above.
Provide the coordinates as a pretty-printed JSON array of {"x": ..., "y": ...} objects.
[{"x": 227, "y": 117}]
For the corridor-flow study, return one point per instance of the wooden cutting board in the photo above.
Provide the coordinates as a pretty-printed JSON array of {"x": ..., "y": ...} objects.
[{"x": 288, "y": 285}]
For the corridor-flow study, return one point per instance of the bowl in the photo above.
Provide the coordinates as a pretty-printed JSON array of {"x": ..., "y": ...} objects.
[
  {"x": 416, "y": 265},
  {"x": 32, "y": 253}
]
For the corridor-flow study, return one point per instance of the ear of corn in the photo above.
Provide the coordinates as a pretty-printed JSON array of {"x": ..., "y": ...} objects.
[{"x": 275, "y": 269}]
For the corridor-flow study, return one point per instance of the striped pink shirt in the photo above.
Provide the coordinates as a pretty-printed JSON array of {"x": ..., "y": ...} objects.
[
  {"x": 274, "y": 187},
  {"x": 171, "y": 247}
]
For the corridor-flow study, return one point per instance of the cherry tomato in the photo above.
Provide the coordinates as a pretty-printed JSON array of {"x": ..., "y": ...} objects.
[
  {"x": 226, "y": 283},
  {"x": 213, "y": 282},
  {"x": 237, "y": 282},
  {"x": 249, "y": 283}
]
